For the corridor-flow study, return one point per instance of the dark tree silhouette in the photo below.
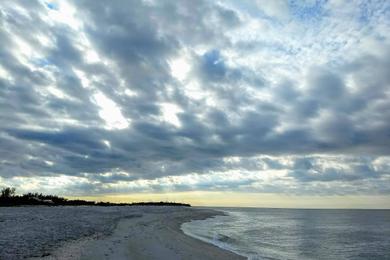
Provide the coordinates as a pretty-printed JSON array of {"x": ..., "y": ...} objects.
[
  {"x": 7, "y": 192},
  {"x": 9, "y": 198}
]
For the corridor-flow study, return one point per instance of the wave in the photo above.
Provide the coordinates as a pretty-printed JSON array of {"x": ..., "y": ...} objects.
[
  {"x": 223, "y": 238},
  {"x": 222, "y": 241}
]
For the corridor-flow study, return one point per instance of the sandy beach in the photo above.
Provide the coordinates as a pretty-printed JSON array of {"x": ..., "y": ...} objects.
[{"x": 113, "y": 233}]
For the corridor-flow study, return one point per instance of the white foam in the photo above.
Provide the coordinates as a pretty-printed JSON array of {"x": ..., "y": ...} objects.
[{"x": 185, "y": 227}]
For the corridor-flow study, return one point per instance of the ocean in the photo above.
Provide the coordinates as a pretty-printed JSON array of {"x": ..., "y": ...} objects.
[{"x": 260, "y": 233}]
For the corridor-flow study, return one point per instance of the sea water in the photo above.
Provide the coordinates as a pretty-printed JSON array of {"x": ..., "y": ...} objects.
[{"x": 259, "y": 233}]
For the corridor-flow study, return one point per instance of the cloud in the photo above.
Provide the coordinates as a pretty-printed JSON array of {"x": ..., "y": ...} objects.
[
  {"x": 95, "y": 95},
  {"x": 278, "y": 8},
  {"x": 311, "y": 169}
]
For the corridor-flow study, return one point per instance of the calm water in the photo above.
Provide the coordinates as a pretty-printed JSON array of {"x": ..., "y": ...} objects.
[{"x": 298, "y": 233}]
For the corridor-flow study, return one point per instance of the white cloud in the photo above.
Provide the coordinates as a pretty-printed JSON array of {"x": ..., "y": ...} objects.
[
  {"x": 276, "y": 8},
  {"x": 169, "y": 113},
  {"x": 110, "y": 112},
  {"x": 180, "y": 68}
]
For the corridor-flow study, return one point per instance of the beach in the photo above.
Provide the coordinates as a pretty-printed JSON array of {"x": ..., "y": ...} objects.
[{"x": 104, "y": 233}]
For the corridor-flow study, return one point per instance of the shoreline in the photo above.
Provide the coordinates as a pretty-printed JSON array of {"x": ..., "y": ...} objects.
[
  {"x": 150, "y": 233},
  {"x": 210, "y": 241}
]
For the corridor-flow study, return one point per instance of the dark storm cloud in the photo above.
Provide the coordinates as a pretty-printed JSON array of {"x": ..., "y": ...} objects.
[{"x": 53, "y": 125}]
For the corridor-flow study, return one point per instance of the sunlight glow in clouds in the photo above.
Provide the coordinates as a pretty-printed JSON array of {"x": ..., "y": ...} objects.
[
  {"x": 3, "y": 73},
  {"x": 180, "y": 68},
  {"x": 63, "y": 12},
  {"x": 110, "y": 112},
  {"x": 169, "y": 113}
]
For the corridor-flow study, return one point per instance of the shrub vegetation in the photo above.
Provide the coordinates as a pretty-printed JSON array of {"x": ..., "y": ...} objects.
[{"x": 9, "y": 198}]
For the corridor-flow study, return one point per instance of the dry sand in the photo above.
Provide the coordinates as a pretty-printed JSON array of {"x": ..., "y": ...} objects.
[{"x": 139, "y": 233}]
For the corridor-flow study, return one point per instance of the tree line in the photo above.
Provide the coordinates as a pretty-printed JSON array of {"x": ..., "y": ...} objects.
[{"x": 9, "y": 198}]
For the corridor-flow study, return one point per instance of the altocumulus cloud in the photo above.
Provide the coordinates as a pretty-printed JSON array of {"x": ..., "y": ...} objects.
[{"x": 150, "y": 96}]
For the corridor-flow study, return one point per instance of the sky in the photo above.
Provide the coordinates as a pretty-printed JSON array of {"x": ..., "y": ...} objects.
[{"x": 235, "y": 103}]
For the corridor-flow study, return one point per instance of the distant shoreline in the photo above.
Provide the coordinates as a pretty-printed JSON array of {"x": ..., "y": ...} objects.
[
  {"x": 8, "y": 198},
  {"x": 101, "y": 204}
]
